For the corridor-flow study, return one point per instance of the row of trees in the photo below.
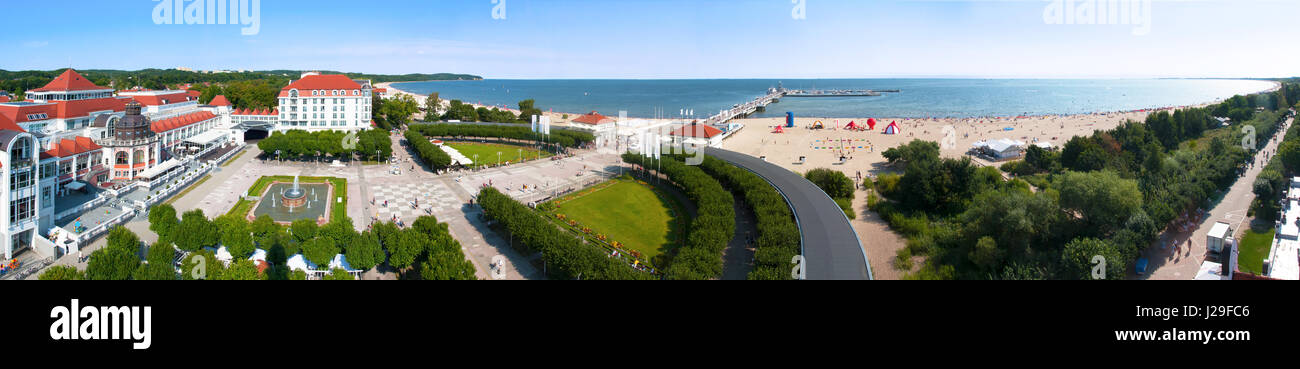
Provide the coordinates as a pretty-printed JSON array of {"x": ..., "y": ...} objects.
[
  {"x": 778, "y": 236},
  {"x": 458, "y": 110},
  {"x": 393, "y": 113},
  {"x": 1106, "y": 194},
  {"x": 713, "y": 226},
  {"x": 565, "y": 138},
  {"x": 424, "y": 251},
  {"x": 370, "y": 144},
  {"x": 430, "y": 154},
  {"x": 567, "y": 257},
  {"x": 263, "y": 93}
]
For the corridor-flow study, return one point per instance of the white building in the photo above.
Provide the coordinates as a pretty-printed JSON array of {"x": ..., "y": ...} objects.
[{"x": 320, "y": 102}]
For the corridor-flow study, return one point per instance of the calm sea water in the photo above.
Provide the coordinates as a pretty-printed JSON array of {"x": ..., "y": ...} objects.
[{"x": 918, "y": 97}]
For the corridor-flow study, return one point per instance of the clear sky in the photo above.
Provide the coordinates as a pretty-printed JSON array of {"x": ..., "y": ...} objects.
[{"x": 671, "y": 38}]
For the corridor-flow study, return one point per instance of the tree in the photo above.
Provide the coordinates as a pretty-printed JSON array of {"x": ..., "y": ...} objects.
[
  {"x": 1102, "y": 199},
  {"x": 1290, "y": 155},
  {"x": 834, "y": 182},
  {"x": 62, "y": 273},
  {"x": 446, "y": 267},
  {"x": 986, "y": 253},
  {"x": 303, "y": 229},
  {"x": 1077, "y": 258},
  {"x": 160, "y": 257},
  {"x": 916, "y": 150},
  {"x": 236, "y": 236},
  {"x": 112, "y": 264},
  {"x": 527, "y": 109},
  {"x": 242, "y": 270},
  {"x": 264, "y": 231},
  {"x": 162, "y": 220},
  {"x": 432, "y": 105},
  {"x": 406, "y": 246},
  {"x": 364, "y": 251},
  {"x": 195, "y": 232},
  {"x": 202, "y": 264},
  {"x": 320, "y": 250}
]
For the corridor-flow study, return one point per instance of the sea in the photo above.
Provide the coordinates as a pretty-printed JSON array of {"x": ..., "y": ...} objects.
[{"x": 916, "y": 98}]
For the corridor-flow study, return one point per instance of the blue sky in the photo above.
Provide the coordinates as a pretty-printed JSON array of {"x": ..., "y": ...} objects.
[{"x": 668, "y": 39}]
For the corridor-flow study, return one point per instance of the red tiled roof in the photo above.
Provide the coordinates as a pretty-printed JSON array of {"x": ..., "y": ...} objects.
[
  {"x": 321, "y": 82},
  {"x": 255, "y": 112},
  {"x": 81, "y": 108},
  {"x": 220, "y": 100},
  {"x": 194, "y": 94},
  {"x": 68, "y": 148},
  {"x": 181, "y": 121},
  {"x": 156, "y": 100},
  {"x": 20, "y": 113},
  {"x": 70, "y": 80},
  {"x": 697, "y": 131},
  {"x": 593, "y": 118},
  {"x": 7, "y": 124}
]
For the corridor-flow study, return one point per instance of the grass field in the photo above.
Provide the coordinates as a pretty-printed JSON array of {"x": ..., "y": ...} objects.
[
  {"x": 487, "y": 153},
  {"x": 1254, "y": 249},
  {"x": 632, "y": 213}
]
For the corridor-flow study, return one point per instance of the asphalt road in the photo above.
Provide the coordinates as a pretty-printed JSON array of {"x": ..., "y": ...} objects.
[{"x": 831, "y": 248}]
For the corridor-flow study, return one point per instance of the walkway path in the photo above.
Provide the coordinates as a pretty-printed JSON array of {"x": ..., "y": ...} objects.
[{"x": 1184, "y": 262}]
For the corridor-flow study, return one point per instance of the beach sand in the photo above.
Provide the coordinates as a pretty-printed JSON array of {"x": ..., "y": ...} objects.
[{"x": 822, "y": 148}]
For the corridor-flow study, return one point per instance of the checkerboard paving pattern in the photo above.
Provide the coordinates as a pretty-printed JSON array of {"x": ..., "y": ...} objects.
[{"x": 434, "y": 196}]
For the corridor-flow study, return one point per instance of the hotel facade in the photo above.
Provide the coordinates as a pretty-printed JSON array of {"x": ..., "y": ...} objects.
[{"x": 84, "y": 144}]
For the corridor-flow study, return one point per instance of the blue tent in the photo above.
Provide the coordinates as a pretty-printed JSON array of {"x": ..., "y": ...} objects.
[
  {"x": 1141, "y": 266},
  {"x": 789, "y": 119}
]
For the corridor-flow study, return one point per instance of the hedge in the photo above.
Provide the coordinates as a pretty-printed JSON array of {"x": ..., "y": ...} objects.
[
  {"x": 430, "y": 154},
  {"x": 778, "y": 236},
  {"x": 713, "y": 227},
  {"x": 566, "y": 257},
  {"x": 562, "y": 137}
]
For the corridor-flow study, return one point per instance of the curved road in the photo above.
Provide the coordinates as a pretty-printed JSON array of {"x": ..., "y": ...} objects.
[{"x": 831, "y": 248}]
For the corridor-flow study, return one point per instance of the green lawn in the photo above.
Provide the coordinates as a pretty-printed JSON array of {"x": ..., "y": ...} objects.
[
  {"x": 1254, "y": 249},
  {"x": 487, "y": 153},
  {"x": 630, "y": 213}
]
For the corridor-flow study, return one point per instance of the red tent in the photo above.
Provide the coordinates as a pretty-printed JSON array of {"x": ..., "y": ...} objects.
[
  {"x": 871, "y": 123},
  {"x": 892, "y": 128},
  {"x": 852, "y": 125},
  {"x": 779, "y": 129}
]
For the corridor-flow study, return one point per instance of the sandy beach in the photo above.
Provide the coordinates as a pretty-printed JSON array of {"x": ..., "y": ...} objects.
[{"x": 822, "y": 148}]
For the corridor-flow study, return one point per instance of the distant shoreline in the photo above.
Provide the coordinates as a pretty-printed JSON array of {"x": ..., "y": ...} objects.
[{"x": 1276, "y": 86}]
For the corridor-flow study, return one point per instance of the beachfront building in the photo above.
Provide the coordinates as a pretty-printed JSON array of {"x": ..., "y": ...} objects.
[
  {"x": 697, "y": 135},
  {"x": 78, "y": 145},
  {"x": 1283, "y": 260},
  {"x": 319, "y": 102},
  {"x": 1000, "y": 149},
  {"x": 63, "y": 107}
]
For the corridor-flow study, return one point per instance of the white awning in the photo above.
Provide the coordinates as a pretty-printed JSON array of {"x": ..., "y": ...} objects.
[
  {"x": 160, "y": 168},
  {"x": 205, "y": 138},
  {"x": 76, "y": 185}
]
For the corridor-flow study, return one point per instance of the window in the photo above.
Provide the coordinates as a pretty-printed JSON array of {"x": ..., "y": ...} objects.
[{"x": 21, "y": 209}]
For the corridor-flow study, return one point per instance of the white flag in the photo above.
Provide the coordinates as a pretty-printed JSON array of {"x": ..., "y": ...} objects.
[
  {"x": 534, "y": 124},
  {"x": 658, "y": 146}
]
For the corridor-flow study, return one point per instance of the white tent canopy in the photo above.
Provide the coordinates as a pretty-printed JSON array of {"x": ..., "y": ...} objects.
[
  {"x": 160, "y": 168},
  {"x": 208, "y": 137}
]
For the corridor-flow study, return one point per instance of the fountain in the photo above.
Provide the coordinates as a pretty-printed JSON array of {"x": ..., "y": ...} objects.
[
  {"x": 287, "y": 202},
  {"x": 294, "y": 197}
]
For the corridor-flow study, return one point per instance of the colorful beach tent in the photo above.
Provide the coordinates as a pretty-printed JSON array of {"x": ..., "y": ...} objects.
[
  {"x": 852, "y": 125},
  {"x": 892, "y": 129},
  {"x": 779, "y": 129},
  {"x": 871, "y": 123}
]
